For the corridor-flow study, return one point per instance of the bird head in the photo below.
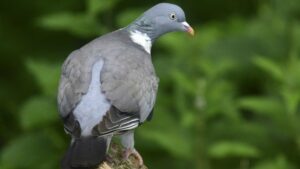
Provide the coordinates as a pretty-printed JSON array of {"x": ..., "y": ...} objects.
[{"x": 161, "y": 19}]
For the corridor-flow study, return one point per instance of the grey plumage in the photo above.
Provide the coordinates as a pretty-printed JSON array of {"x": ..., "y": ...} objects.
[
  {"x": 128, "y": 82},
  {"x": 109, "y": 85},
  {"x": 128, "y": 78}
]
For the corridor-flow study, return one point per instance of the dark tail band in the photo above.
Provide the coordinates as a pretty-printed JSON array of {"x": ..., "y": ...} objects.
[{"x": 85, "y": 153}]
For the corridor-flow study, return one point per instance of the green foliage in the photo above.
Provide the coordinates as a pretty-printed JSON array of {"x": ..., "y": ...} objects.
[
  {"x": 228, "y": 149},
  {"x": 278, "y": 163},
  {"x": 228, "y": 98},
  {"x": 263, "y": 105},
  {"x": 77, "y": 24},
  {"x": 98, "y": 6},
  {"x": 30, "y": 151},
  {"x": 37, "y": 112},
  {"x": 81, "y": 24},
  {"x": 270, "y": 67},
  {"x": 41, "y": 144},
  {"x": 128, "y": 16},
  {"x": 46, "y": 75}
]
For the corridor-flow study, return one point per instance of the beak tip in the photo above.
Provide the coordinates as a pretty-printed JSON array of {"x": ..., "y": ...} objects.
[
  {"x": 191, "y": 31},
  {"x": 188, "y": 28}
]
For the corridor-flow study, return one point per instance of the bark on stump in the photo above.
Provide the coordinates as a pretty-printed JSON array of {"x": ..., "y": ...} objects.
[{"x": 117, "y": 162}]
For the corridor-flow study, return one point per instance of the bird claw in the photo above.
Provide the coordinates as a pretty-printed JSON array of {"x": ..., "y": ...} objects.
[
  {"x": 109, "y": 158},
  {"x": 136, "y": 154}
]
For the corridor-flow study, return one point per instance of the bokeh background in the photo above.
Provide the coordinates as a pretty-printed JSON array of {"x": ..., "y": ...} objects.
[{"x": 229, "y": 98}]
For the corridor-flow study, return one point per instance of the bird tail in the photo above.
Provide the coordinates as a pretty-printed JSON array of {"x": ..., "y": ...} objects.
[{"x": 85, "y": 153}]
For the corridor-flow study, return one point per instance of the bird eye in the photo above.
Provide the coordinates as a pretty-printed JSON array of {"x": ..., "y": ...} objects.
[{"x": 173, "y": 16}]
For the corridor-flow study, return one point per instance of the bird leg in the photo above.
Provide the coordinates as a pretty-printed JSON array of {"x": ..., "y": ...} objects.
[
  {"x": 127, "y": 141},
  {"x": 108, "y": 157},
  {"x": 136, "y": 154}
]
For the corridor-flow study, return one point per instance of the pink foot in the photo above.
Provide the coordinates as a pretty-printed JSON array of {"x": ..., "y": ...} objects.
[
  {"x": 109, "y": 159},
  {"x": 129, "y": 152}
]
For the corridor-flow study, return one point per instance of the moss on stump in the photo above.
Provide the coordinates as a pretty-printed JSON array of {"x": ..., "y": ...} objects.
[{"x": 117, "y": 162}]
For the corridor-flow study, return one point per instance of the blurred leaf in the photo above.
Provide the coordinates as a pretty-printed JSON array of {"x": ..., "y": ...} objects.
[
  {"x": 38, "y": 112},
  {"x": 209, "y": 34},
  {"x": 28, "y": 152},
  {"x": 263, "y": 105},
  {"x": 128, "y": 16},
  {"x": 295, "y": 35},
  {"x": 81, "y": 25},
  {"x": 98, "y": 6},
  {"x": 291, "y": 87},
  {"x": 188, "y": 119},
  {"x": 171, "y": 42},
  {"x": 176, "y": 144},
  {"x": 213, "y": 69},
  {"x": 219, "y": 100},
  {"x": 165, "y": 131},
  {"x": 292, "y": 99},
  {"x": 270, "y": 67},
  {"x": 46, "y": 74},
  {"x": 183, "y": 81},
  {"x": 279, "y": 162},
  {"x": 228, "y": 149}
]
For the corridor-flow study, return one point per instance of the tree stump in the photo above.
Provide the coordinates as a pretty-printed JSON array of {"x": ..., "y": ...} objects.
[{"x": 117, "y": 162}]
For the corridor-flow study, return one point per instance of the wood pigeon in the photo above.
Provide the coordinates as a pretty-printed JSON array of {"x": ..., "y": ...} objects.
[{"x": 108, "y": 87}]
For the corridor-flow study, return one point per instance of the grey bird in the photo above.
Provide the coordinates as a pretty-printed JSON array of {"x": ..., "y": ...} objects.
[{"x": 108, "y": 87}]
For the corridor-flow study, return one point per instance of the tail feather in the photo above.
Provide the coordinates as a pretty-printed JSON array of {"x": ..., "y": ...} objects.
[{"x": 85, "y": 153}]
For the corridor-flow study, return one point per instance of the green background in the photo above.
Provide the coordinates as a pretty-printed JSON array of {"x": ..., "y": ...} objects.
[{"x": 229, "y": 98}]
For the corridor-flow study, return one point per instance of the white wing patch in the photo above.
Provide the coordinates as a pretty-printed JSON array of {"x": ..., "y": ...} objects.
[
  {"x": 141, "y": 39},
  {"x": 93, "y": 105}
]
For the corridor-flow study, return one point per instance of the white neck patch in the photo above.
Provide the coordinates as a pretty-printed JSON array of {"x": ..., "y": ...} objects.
[{"x": 141, "y": 39}]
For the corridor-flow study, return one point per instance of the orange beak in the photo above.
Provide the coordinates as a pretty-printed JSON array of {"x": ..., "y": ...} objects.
[{"x": 188, "y": 28}]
